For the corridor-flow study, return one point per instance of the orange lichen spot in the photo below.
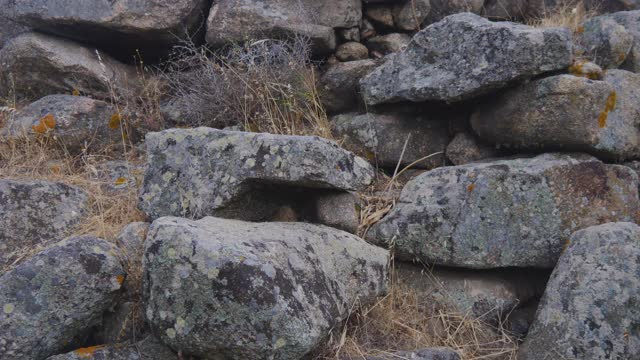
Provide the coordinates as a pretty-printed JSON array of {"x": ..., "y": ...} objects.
[
  {"x": 115, "y": 121},
  {"x": 55, "y": 169},
  {"x": 470, "y": 187},
  {"x": 75, "y": 92},
  {"x": 45, "y": 124},
  {"x": 120, "y": 181},
  {"x": 580, "y": 30},
  {"x": 120, "y": 279},
  {"x": 609, "y": 106},
  {"x": 621, "y": 56},
  {"x": 88, "y": 352},
  {"x": 580, "y": 68},
  {"x": 566, "y": 245}
]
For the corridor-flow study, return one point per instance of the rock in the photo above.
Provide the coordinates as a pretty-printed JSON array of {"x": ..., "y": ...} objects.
[
  {"x": 34, "y": 65},
  {"x": 339, "y": 85},
  {"x": 9, "y": 30},
  {"x": 390, "y": 43},
  {"x": 237, "y": 20},
  {"x": 147, "y": 349},
  {"x": 380, "y": 15},
  {"x": 351, "y": 51},
  {"x": 36, "y": 213},
  {"x": 586, "y": 69},
  {"x": 350, "y": 34},
  {"x": 441, "y": 353},
  {"x": 408, "y": 15},
  {"x": 80, "y": 123},
  {"x": 488, "y": 295},
  {"x": 366, "y": 30},
  {"x": 569, "y": 113},
  {"x": 464, "y": 56},
  {"x": 131, "y": 240},
  {"x": 118, "y": 25},
  {"x": 506, "y": 213},
  {"x": 631, "y": 22},
  {"x": 443, "y": 8},
  {"x": 381, "y": 138},
  {"x": 199, "y": 172},
  {"x": 588, "y": 310},
  {"x": 218, "y": 288},
  {"x": 54, "y": 298},
  {"x": 466, "y": 148},
  {"x": 119, "y": 175},
  {"x": 339, "y": 210},
  {"x": 606, "y": 42},
  {"x": 520, "y": 319}
]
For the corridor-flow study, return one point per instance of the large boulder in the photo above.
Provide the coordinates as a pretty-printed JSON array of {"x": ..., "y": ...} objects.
[
  {"x": 381, "y": 138},
  {"x": 506, "y": 213},
  {"x": 34, "y": 65},
  {"x": 80, "y": 123},
  {"x": 200, "y": 172},
  {"x": 36, "y": 213},
  {"x": 339, "y": 85},
  {"x": 239, "y": 20},
  {"x": 569, "y": 113},
  {"x": 122, "y": 26},
  {"x": 51, "y": 300},
  {"x": 146, "y": 349},
  {"x": 464, "y": 56},
  {"x": 605, "y": 41},
  {"x": 589, "y": 309},
  {"x": 217, "y": 288}
]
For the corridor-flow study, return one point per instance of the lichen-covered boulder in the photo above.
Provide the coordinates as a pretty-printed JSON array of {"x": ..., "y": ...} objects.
[
  {"x": 147, "y": 349},
  {"x": 217, "y": 288},
  {"x": 605, "y": 41},
  {"x": 199, "y": 172},
  {"x": 466, "y": 148},
  {"x": 506, "y": 213},
  {"x": 122, "y": 26},
  {"x": 339, "y": 85},
  {"x": 569, "y": 113},
  {"x": 80, "y": 123},
  {"x": 239, "y": 20},
  {"x": 36, "y": 213},
  {"x": 464, "y": 56},
  {"x": 53, "y": 299},
  {"x": 589, "y": 309},
  {"x": 381, "y": 138},
  {"x": 35, "y": 65}
]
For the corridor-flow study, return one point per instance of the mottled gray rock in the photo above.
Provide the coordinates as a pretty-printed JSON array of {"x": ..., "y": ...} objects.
[
  {"x": 238, "y": 20},
  {"x": 380, "y": 138},
  {"x": 36, "y": 213},
  {"x": 380, "y": 16},
  {"x": 441, "y": 353},
  {"x": 218, "y": 288},
  {"x": 466, "y": 148},
  {"x": 505, "y": 213},
  {"x": 147, "y": 349},
  {"x": 605, "y": 41},
  {"x": 351, "y": 51},
  {"x": 120, "y": 25},
  {"x": 338, "y": 210},
  {"x": 199, "y": 172},
  {"x": 408, "y": 15},
  {"x": 443, "y": 8},
  {"x": 339, "y": 85},
  {"x": 631, "y": 22},
  {"x": 569, "y": 113},
  {"x": 464, "y": 56},
  {"x": 34, "y": 65},
  {"x": 54, "y": 298},
  {"x": 80, "y": 123},
  {"x": 389, "y": 43},
  {"x": 9, "y": 30},
  {"x": 589, "y": 310}
]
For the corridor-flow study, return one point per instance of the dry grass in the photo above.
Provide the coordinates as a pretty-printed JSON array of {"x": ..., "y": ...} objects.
[{"x": 568, "y": 13}]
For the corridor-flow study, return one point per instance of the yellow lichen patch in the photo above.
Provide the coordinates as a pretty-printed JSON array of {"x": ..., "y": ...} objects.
[
  {"x": 75, "y": 92},
  {"x": 609, "y": 106},
  {"x": 45, "y": 124},
  {"x": 120, "y": 181},
  {"x": 581, "y": 68},
  {"x": 470, "y": 187},
  {"x": 88, "y": 351},
  {"x": 8, "y": 308},
  {"x": 115, "y": 121},
  {"x": 566, "y": 245},
  {"x": 120, "y": 279}
]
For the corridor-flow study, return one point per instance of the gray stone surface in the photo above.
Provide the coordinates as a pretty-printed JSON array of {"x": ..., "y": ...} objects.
[
  {"x": 464, "y": 56},
  {"x": 352, "y": 51},
  {"x": 606, "y": 42},
  {"x": 147, "y": 349},
  {"x": 506, "y": 213},
  {"x": 36, "y": 213},
  {"x": 199, "y": 172},
  {"x": 440, "y": 353},
  {"x": 589, "y": 310},
  {"x": 409, "y": 14},
  {"x": 443, "y": 8},
  {"x": 466, "y": 148},
  {"x": 631, "y": 22},
  {"x": 34, "y": 65},
  {"x": 380, "y": 138},
  {"x": 339, "y": 210},
  {"x": 217, "y": 288},
  {"x": 569, "y": 113},
  {"x": 9, "y": 30},
  {"x": 389, "y": 43},
  {"x": 339, "y": 88},
  {"x": 53, "y": 299}
]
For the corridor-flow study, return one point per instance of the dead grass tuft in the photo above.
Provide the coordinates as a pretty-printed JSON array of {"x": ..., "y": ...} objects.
[{"x": 570, "y": 14}]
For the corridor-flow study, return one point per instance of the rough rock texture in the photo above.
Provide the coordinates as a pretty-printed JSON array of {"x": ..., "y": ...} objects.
[
  {"x": 339, "y": 210},
  {"x": 589, "y": 310},
  {"x": 506, "y": 213},
  {"x": 443, "y": 8},
  {"x": 606, "y": 42},
  {"x": 381, "y": 137},
  {"x": 351, "y": 51},
  {"x": 9, "y": 30},
  {"x": 34, "y": 213},
  {"x": 441, "y": 353},
  {"x": 569, "y": 113},
  {"x": 339, "y": 85},
  {"x": 35, "y": 65},
  {"x": 238, "y": 20},
  {"x": 387, "y": 44},
  {"x": 80, "y": 123},
  {"x": 147, "y": 349},
  {"x": 466, "y": 148},
  {"x": 217, "y": 288},
  {"x": 464, "y": 56},
  {"x": 150, "y": 25},
  {"x": 631, "y": 22},
  {"x": 408, "y": 15},
  {"x": 199, "y": 172},
  {"x": 53, "y": 298}
]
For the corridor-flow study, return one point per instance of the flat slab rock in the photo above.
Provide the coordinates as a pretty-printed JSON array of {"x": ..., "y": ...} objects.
[
  {"x": 464, "y": 56},
  {"x": 506, "y": 213},
  {"x": 53, "y": 299},
  {"x": 35, "y": 213},
  {"x": 589, "y": 310},
  {"x": 217, "y": 288},
  {"x": 199, "y": 172}
]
